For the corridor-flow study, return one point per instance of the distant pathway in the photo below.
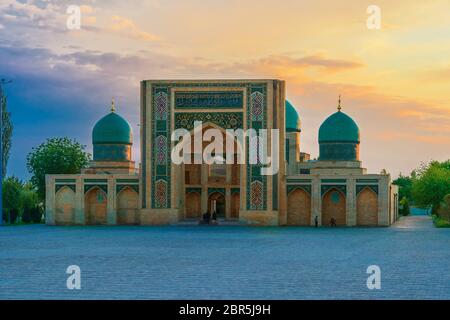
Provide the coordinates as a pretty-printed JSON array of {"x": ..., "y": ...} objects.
[{"x": 414, "y": 222}]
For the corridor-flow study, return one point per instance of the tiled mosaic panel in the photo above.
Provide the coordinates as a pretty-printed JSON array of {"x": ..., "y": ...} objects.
[
  {"x": 161, "y": 147},
  {"x": 256, "y": 119}
]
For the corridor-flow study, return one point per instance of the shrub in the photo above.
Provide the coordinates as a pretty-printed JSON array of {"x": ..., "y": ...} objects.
[
  {"x": 440, "y": 222},
  {"x": 404, "y": 209}
]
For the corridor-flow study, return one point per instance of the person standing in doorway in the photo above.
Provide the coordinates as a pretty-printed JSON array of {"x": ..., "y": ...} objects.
[{"x": 316, "y": 221}]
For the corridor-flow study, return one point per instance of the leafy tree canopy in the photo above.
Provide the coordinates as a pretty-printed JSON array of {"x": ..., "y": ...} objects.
[
  {"x": 11, "y": 193},
  {"x": 55, "y": 156},
  {"x": 431, "y": 184},
  {"x": 404, "y": 184}
]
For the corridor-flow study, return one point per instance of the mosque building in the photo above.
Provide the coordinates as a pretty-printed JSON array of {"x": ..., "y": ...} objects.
[{"x": 112, "y": 191}]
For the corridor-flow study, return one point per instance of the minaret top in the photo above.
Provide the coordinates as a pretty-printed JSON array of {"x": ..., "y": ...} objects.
[{"x": 113, "y": 107}]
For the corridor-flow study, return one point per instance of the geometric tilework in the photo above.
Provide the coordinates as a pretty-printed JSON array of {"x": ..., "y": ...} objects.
[
  {"x": 373, "y": 187},
  {"x": 306, "y": 188},
  {"x": 209, "y": 100},
  {"x": 161, "y": 106},
  {"x": 120, "y": 187},
  {"x": 257, "y": 106},
  {"x": 256, "y": 119},
  {"x": 103, "y": 187},
  {"x": 325, "y": 188},
  {"x": 257, "y": 196},
  {"x": 161, "y": 194},
  {"x": 194, "y": 189},
  {"x": 161, "y": 166},
  {"x": 161, "y": 150},
  {"x": 60, "y": 186},
  {"x": 235, "y": 190},
  {"x": 214, "y": 190},
  {"x": 225, "y": 120}
]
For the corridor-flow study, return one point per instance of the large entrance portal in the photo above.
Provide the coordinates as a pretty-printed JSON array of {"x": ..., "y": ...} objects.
[
  {"x": 211, "y": 187},
  {"x": 216, "y": 203}
]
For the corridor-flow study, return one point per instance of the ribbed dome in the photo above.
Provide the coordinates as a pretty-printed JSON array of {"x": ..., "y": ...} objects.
[
  {"x": 112, "y": 129},
  {"x": 293, "y": 123},
  {"x": 339, "y": 127}
]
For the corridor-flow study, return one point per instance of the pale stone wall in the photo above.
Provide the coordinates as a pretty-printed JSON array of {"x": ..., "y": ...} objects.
[
  {"x": 85, "y": 206},
  {"x": 259, "y": 218},
  {"x": 294, "y": 151},
  {"x": 385, "y": 203}
]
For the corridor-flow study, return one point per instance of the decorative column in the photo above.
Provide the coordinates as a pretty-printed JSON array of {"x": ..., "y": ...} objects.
[
  {"x": 351, "y": 202},
  {"x": 316, "y": 200},
  {"x": 229, "y": 169},
  {"x": 204, "y": 181},
  {"x": 50, "y": 200},
  {"x": 80, "y": 217},
  {"x": 111, "y": 216},
  {"x": 383, "y": 200}
]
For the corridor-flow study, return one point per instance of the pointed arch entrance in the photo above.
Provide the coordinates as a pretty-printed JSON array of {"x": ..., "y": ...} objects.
[
  {"x": 334, "y": 206},
  {"x": 299, "y": 208},
  {"x": 193, "y": 205},
  {"x": 216, "y": 203},
  {"x": 127, "y": 206},
  {"x": 95, "y": 205},
  {"x": 367, "y": 208},
  {"x": 65, "y": 206}
]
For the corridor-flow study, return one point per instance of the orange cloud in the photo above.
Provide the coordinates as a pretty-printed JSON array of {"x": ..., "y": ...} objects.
[{"x": 128, "y": 28}]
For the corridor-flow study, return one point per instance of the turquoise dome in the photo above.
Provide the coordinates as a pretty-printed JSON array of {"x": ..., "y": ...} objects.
[
  {"x": 112, "y": 129},
  {"x": 339, "y": 138},
  {"x": 292, "y": 118},
  {"x": 339, "y": 127}
]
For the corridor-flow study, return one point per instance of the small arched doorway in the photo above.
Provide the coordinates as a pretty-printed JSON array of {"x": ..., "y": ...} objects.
[
  {"x": 367, "y": 208},
  {"x": 95, "y": 206},
  {"x": 127, "y": 206},
  {"x": 299, "y": 208},
  {"x": 193, "y": 205},
  {"x": 216, "y": 202},
  {"x": 65, "y": 206},
  {"x": 334, "y": 206}
]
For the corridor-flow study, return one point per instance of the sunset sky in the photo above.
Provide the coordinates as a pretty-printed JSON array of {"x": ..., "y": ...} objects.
[{"x": 395, "y": 82}]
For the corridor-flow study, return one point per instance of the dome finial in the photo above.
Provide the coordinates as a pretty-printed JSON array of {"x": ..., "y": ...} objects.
[
  {"x": 339, "y": 104},
  {"x": 113, "y": 107}
]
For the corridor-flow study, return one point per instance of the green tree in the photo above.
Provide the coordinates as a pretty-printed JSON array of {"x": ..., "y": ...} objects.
[
  {"x": 404, "y": 184},
  {"x": 404, "y": 209},
  {"x": 11, "y": 193},
  {"x": 7, "y": 129},
  {"x": 55, "y": 156},
  {"x": 431, "y": 184},
  {"x": 29, "y": 202},
  {"x": 444, "y": 208}
]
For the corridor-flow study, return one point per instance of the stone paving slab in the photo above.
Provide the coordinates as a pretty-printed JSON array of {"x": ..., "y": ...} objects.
[{"x": 195, "y": 262}]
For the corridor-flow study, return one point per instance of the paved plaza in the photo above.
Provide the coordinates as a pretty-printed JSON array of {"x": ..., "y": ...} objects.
[{"x": 228, "y": 262}]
